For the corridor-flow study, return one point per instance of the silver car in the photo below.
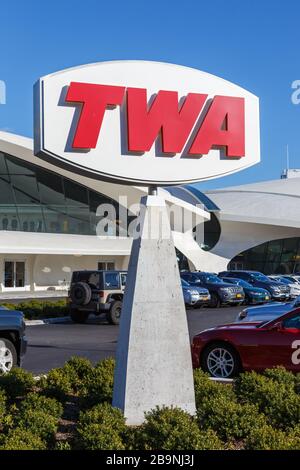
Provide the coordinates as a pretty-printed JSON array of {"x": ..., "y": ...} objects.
[{"x": 267, "y": 312}]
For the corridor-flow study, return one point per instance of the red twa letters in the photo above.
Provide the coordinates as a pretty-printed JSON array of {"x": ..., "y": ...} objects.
[{"x": 223, "y": 125}]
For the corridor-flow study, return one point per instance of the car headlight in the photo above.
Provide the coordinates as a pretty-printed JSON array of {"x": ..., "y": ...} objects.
[
  {"x": 276, "y": 290},
  {"x": 192, "y": 292}
]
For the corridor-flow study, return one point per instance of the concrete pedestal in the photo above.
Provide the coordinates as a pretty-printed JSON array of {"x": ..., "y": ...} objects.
[{"x": 153, "y": 355}]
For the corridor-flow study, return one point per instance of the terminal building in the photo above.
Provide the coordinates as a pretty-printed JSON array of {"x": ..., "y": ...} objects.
[{"x": 48, "y": 221}]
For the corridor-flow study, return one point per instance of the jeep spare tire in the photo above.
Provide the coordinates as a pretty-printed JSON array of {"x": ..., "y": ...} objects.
[{"x": 81, "y": 293}]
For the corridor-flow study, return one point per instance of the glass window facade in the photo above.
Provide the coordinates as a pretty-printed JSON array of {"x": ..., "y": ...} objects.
[
  {"x": 274, "y": 257},
  {"x": 33, "y": 199},
  {"x": 14, "y": 274},
  {"x": 207, "y": 234},
  {"x": 211, "y": 233}
]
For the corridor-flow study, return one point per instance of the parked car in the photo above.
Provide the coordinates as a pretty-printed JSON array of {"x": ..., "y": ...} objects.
[
  {"x": 292, "y": 277},
  {"x": 277, "y": 290},
  {"x": 190, "y": 295},
  {"x": 226, "y": 350},
  {"x": 96, "y": 292},
  {"x": 294, "y": 286},
  {"x": 253, "y": 295},
  {"x": 267, "y": 312},
  {"x": 220, "y": 291},
  {"x": 13, "y": 342},
  {"x": 194, "y": 296}
]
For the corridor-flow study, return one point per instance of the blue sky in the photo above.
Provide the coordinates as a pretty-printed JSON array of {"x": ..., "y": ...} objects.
[{"x": 252, "y": 43}]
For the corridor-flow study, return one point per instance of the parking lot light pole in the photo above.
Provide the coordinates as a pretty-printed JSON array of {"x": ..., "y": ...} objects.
[{"x": 153, "y": 365}]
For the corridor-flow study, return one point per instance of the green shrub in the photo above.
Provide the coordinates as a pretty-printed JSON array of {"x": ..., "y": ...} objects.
[
  {"x": 98, "y": 386},
  {"x": 36, "y": 402},
  {"x": 2, "y": 406},
  {"x": 78, "y": 370},
  {"x": 39, "y": 423},
  {"x": 209, "y": 440},
  {"x": 62, "y": 445},
  {"x": 101, "y": 428},
  {"x": 16, "y": 383},
  {"x": 40, "y": 308},
  {"x": 56, "y": 384},
  {"x": 297, "y": 384},
  {"x": 230, "y": 420},
  {"x": 21, "y": 439},
  {"x": 207, "y": 388},
  {"x": 98, "y": 437},
  {"x": 104, "y": 414},
  {"x": 281, "y": 375},
  {"x": 174, "y": 429},
  {"x": 275, "y": 398},
  {"x": 268, "y": 438},
  {"x": 59, "y": 307}
]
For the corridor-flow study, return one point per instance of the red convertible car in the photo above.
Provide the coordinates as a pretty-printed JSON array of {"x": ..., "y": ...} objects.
[{"x": 226, "y": 350}]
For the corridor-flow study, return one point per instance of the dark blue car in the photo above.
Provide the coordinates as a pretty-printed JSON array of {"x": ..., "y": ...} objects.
[
  {"x": 277, "y": 290},
  {"x": 253, "y": 295}
]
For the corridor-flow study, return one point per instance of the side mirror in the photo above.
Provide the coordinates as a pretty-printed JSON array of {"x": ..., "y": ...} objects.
[{"x": 277, "y": 326}]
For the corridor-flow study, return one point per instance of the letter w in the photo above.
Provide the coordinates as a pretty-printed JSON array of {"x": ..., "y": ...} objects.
[{"x": 164, "y": 115}]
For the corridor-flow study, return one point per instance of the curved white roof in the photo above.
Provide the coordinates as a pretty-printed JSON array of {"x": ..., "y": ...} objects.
[{"x": 274, "y": 202}]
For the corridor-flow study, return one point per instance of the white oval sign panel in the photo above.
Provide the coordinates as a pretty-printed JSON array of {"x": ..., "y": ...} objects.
[{"x": 145, "y": 123}]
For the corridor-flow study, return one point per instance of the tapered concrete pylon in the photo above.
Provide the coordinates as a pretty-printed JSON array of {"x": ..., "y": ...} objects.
[{"x": 153, "y": 365}]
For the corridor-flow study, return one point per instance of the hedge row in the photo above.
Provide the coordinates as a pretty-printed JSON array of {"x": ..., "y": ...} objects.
[
  {"x": 71, "y": 409},
  {"x": 35, "y": 309}
]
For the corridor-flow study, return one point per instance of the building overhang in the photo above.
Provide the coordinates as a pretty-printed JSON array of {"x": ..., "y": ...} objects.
[{"x": 62, "y": 244}]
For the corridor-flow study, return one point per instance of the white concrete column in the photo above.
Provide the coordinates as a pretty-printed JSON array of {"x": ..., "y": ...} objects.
[{"x": 153, "y": 354}]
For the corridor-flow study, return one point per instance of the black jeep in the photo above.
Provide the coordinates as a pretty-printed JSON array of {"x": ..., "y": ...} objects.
[{"x": 97, "y": 292}]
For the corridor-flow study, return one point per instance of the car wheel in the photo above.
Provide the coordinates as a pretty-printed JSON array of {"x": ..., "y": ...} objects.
[
  {"x": 8, "y": 356},
  {"x": 114, "y": 314},
  {"x": 79, "y": 317},
  {"x": 220, "y": 360},
  {"x": 214, "y": 301}
]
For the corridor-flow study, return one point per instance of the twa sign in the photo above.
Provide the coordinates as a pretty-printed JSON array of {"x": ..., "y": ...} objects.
[{"x": 145, "y": 123}]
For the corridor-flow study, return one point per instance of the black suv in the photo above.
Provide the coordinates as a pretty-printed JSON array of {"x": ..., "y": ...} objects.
[
  {"x": 277, "y": 290},
  {"x": 13, "y": 342},
  {"x": 220, "y": 291},
  {"x": 97, "y": 292}
]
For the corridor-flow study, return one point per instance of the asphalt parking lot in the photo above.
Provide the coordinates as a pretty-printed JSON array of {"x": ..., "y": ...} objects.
[{"x": 51, "y": 345}]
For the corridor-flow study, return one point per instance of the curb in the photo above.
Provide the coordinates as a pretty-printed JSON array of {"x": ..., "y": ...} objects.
[
  {"x": 220, "y": 380},
  {"x": 49, "y": 321},
  {"x": 46, "y": 321}
]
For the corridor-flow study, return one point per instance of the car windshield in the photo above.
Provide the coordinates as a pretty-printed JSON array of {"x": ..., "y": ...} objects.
[
  {"x": 243, "y": 283},
  {"x": 260, "y": 277},
  {"x": 283, "y": 280},
  {"x": 290, "y": 279},
  {"x": 211, "y": 278},
  {"x": 297, "y": 302},
  {"x": 184, "y": 283}
]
